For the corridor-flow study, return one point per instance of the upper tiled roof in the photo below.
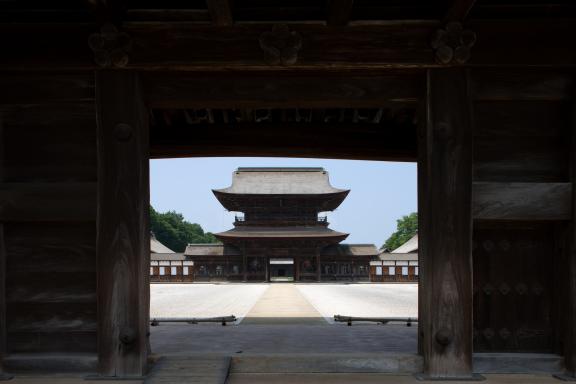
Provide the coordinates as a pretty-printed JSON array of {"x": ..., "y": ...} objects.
[
  {"x": 280, "y": 181},
  {"x": 281, "y": 233}
]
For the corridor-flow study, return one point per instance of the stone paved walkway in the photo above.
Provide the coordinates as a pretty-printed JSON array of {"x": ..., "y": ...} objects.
[
  {"x": 283, "y": 304},
  {"x": 364, "y": 378},
  {"x": 181, "y": 339},
  {"x": 324, "y": 378}
]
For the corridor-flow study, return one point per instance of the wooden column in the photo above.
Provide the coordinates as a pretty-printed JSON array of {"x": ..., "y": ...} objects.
[
  {"x": 244, "y": 264},
  {"x": 446, "y": 227},
  {"x": 318, "y": 266},
  {"x": 123, "y": 239},
  {"x": 570, "y": 276},
  {"x": 3, "y": 257}
]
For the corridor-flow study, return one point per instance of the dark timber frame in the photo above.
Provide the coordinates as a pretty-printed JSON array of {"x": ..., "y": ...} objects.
[
  {"x": 446, "y": 245},
  {"x": 123, "y": 243},
  {"x": 3, "y": 376},
  {"x": 500, "y": 159}
]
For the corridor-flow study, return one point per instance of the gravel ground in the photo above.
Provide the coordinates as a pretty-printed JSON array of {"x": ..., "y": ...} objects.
[
  {"x": 203, "y": 300},
  {"x": 364, "y": 300}
]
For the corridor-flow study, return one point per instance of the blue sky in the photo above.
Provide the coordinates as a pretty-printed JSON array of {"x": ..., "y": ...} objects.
[{"x": 381, "y": 192}]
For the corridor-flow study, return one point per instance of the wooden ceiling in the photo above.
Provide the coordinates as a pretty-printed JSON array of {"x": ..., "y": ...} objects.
[{"x": 331, "y": 12}]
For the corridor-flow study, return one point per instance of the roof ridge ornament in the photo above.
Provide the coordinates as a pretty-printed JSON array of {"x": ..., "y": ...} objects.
[
  {"x": 110, "y": 46},
  {"x": 281, "y": 45},
  {"x": 453, "y": 44}
]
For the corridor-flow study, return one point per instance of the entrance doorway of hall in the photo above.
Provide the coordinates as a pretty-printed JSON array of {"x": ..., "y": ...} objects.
[{"x": 281, "y": 269}]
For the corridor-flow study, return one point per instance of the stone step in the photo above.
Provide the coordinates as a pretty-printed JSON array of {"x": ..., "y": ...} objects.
[
  {"x": 521, "y": 363},
  {"x": 190, "y": 369},
  {"x": 518, "y": 363},
  {"x": 327, "y": 363}
]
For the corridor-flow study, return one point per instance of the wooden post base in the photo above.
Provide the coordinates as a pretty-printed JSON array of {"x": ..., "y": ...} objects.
[{"x": 426, "y": 377}]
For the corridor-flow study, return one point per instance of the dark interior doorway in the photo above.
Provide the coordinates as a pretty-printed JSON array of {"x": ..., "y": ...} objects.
[{"x": 281, "y": 269}]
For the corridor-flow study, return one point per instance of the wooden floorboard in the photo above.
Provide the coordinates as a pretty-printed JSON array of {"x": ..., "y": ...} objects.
[{"x": 179, "y": 370}]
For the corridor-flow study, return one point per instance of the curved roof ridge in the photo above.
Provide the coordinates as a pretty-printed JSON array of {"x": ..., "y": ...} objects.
[{"x": 280, "y": 181}]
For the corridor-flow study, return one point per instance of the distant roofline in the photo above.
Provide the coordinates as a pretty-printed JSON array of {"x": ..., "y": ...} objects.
[
  {"x": 205, "y": 244},
  {"x": 280, "y": 169},
  {"x": 359, "y": 244}
]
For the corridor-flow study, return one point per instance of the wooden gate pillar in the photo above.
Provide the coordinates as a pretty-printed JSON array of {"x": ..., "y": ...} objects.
[
  {"x": 3, "y": 257},
  {"x": 570, "y": 276},
  {"x": 445, "y": 227},
  {"x": 123, "y": 237}
]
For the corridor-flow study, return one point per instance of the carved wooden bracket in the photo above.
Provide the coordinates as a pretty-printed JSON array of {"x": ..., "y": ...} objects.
[
  {"x": 281, "y": 45},
  {"x": 453, "y": 44},
  {"x": 110, "y": 47}
]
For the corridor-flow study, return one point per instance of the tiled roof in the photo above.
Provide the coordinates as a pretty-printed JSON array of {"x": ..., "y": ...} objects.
[{"x": 280, "y": 181}]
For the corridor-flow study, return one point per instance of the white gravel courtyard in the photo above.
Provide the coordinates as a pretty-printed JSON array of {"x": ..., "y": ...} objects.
[
  {"x": 206, "y": 300},
  {"x": 203, "y": 300},
  {"x": 362, "y": 300}
]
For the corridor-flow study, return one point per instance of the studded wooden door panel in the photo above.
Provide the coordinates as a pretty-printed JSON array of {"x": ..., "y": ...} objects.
[{"x": 513, "y": 289}]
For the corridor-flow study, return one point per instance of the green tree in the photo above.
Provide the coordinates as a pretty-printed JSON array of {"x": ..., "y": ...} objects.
[
  {"x": 406, "y": 227},
  {"x": 173, "y": 231}
]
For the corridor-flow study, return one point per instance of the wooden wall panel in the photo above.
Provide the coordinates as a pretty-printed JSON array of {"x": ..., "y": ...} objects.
[
  {"x": 522, "y": 151},
  {"x": 50, "y": 248},
  {"x": 521, "y": 141},
  {"x": 50, "y": 142},
  {"x": 522, "y": 201},
  {"x": 513, "y": 290},
  {"x": 47, "y": 202},
  {"x": 64, "y": 342},
  {"x": 48, "y": 210},
  {"x": 52, "y": 317}
]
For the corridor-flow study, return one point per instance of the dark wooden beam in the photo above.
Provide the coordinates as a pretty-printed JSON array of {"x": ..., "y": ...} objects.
[
  {"x": 522, "y": 201},
  {"x": 342, "y": 141},
  {"x": 459, "y": 10},
  {"x": 200, "y": 47},
  {"x": 44, "y": 87},
  {"x": 339, "y": 12},
  {"x": 446, "y": 231},
  {"x": 221, "y": 12},
  {"x": 281, "y": 90},
  {"x": 123, "y": 239},
  {"x": 526, "y": 85},
  {"x": 108, "y": 11}
]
